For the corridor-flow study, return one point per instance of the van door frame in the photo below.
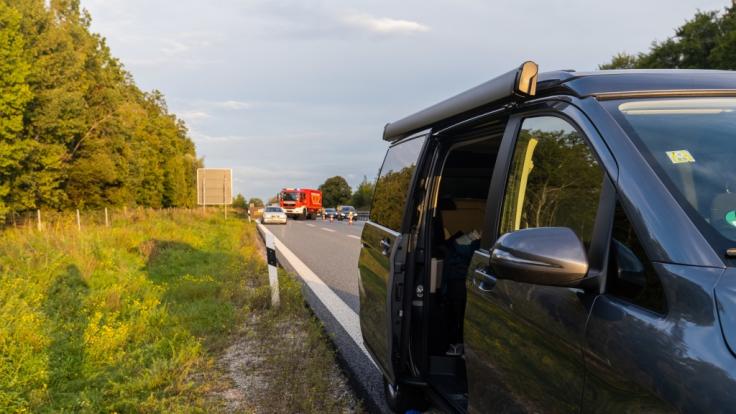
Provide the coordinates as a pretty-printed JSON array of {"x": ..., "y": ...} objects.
[
  {"x": 443, "y": 144},
  {"x": 563, "y": 108},
  {"x": 402, "y": 264}
]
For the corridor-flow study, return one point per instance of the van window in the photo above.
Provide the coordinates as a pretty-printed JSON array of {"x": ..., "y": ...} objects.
[
  {"x": 554, "y": 180},
  {"x": 393, "y": 182},
  {"x": 631, "y": 275}
]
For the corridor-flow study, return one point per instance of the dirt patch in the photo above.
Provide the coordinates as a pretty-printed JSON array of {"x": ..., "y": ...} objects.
[{"x": 278, "y": 367}]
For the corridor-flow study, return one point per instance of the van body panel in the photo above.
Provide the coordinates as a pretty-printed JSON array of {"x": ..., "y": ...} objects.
[
  {"x": 641, "y": 361},
  {"x": 373, "y": 289},
  {"x": 725, "y": 293},
  {"x": 523, "y": 348}
]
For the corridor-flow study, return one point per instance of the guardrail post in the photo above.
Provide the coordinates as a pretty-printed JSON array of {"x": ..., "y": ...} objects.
[
  {"x": 107, "y": 223},
  {"x": 273, "y": 275},
  {"x": 79, "y": 222},
  {"x": 38, "y": 216}
]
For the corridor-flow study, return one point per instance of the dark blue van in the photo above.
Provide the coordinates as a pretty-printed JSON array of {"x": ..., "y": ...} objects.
[{"x": 558, "y": 242}]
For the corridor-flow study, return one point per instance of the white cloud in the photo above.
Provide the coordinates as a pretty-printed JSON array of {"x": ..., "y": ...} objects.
[
  {"x": 194, "y": 115},
  {"x": 384, "y": 25},
  {"x": 205, "y": 138},
  {"x": 235, "y": 105}
]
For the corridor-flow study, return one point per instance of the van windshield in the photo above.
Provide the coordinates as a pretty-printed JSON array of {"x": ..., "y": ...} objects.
[{"x": 691, "y": 143}]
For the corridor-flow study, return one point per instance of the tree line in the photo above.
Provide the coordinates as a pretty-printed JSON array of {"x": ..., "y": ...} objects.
[
  {"x": 706, "y": 41},
  {"x": 335, "y": 192},
  {"x": 75, "y": 130}
]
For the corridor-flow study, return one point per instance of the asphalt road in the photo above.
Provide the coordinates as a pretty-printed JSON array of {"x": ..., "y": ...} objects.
[
  {"x": 329, "y": 249},
  {"x": 325, "y": 256}
]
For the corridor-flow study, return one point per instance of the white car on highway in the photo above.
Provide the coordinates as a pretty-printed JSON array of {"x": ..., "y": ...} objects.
[{"x": 273, "y": 214}]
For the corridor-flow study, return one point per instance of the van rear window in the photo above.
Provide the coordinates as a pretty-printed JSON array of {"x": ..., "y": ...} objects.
[
  {"x": 392, "y": 186},
  {"x": 691, "y": 143}
]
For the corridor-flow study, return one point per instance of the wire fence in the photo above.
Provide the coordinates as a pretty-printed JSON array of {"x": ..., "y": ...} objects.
[{"x": 43, "y": 219}]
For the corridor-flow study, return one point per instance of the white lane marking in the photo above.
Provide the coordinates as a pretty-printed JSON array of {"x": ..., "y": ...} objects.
[
  {"x": 345, "y": 316},
  {"x": 354, "y": 236},
  {"x": 326, "y": 229},
  {"x": 311, "y": 225}
]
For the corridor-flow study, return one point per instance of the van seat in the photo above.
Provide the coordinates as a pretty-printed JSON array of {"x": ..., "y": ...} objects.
[{"x": 468, "y": 215}]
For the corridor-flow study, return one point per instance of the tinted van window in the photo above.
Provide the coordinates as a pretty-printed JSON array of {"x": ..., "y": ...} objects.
[
  {"x": 554, "y": 180},
  {"x": 393, "y": 182},
  {"x": 631, "y": 275}
]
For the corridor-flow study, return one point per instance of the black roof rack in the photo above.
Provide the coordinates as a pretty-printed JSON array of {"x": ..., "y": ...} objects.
[{"x": 518, "y": 83}]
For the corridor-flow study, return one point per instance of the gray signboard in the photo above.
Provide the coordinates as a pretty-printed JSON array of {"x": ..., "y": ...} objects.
[{"x": 214, "y": 186}]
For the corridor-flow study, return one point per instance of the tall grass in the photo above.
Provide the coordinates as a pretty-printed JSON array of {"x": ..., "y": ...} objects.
[{"x": 121, "y": 318}]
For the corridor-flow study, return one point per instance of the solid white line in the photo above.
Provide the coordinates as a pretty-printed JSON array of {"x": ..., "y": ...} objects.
[
  {"x": 326, "y": 229},
  {"x": 344, "y": 315},
  {"x": 354, "y": 236}
]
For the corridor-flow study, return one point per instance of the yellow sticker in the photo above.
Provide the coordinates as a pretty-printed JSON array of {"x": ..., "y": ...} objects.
[{"x": 680, "y": 157}]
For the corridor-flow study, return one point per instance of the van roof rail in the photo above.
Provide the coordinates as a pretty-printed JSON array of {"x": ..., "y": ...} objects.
[{"x": 517, "y": 83}]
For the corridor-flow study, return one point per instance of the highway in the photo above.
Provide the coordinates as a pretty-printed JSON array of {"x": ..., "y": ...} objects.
[
  {"x": 325, "y": 256},
  {"x": 329, "y": 249}
]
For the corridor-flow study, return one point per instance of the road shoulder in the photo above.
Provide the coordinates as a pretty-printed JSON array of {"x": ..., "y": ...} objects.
[{"x": 341, "y": 324}]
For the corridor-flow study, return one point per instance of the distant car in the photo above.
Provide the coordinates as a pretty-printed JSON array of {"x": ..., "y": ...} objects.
[
  {"x": 345, "y": 211},
  {"x": 330, "y": 213},
  {"x": 273, "y": 214}
]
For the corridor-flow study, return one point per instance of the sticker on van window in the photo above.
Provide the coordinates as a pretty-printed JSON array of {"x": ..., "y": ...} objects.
[
  {"x": 680, "y": 157},
  {"x": 731, "y": 217}
]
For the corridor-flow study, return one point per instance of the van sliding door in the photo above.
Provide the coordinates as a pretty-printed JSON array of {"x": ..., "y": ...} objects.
[{"x": 383, "y": 251}]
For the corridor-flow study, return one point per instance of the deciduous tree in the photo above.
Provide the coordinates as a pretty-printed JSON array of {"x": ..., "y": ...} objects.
[
  {"x": 75, "y": 130},
  {"x": 363, "y": 195},
  {"x": 707, "y": 41},
  {"x": 335, "y": 191}
]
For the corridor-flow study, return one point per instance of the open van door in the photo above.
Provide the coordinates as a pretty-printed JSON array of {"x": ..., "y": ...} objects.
[{"x": 383, "y": 254}]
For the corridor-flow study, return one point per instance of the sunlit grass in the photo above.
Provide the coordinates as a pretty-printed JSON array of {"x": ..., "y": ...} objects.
[
  {"x": 117, "y": 319},
  {"x": 138, "y": 317}
]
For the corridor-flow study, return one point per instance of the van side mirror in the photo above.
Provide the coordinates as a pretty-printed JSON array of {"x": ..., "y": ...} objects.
[{"x": 552, "y": 256}]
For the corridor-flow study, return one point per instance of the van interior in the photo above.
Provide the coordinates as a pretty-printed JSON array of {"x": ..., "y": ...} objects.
[{"x": 454, "y": 230}]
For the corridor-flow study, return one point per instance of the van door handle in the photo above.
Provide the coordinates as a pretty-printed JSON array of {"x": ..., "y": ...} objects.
[
  {"x": 385, "y": 247},
  {"x": 484, "y": 281}
]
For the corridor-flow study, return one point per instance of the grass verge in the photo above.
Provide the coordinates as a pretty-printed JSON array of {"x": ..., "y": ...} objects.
[{"x": 139, "y": 317}]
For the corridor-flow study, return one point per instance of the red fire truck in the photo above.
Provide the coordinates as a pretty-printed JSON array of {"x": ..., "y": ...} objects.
[{"x": 301, "y": 203}]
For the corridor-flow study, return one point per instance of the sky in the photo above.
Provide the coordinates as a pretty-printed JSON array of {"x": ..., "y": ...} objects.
[{"x": 290, "y": 92}]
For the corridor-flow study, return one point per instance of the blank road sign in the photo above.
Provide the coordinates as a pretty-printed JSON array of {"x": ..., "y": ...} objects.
[{"x": 214, "y": 186}]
